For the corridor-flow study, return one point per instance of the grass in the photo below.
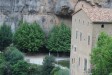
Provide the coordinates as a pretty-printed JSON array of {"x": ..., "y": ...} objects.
[{"x": 64, "y": 63}]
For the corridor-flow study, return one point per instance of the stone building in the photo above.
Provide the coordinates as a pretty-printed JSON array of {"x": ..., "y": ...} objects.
[{"x": 87, "y": 23}]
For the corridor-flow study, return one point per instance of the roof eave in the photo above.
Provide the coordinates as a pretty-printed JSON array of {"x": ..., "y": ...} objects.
[{"x": 99, "y": 22}]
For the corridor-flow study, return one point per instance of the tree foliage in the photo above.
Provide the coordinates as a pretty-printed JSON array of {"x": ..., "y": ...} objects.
[
  {"x": 13, "y": 55},
  {"x": 35, "y": 69},
  {"x": 60, "y": 71},
  {"x": 29, "y": 37},
  {"x": 20, "y": 68},
  {"x": 5, "y": 36},
  {"x": 7, "y": 59},
  {"x": 102, "y": 55},
  {"x": 48, "y": 65},
  {"x": 59, "y": 39},
  {"x": 12, "y": 63}
]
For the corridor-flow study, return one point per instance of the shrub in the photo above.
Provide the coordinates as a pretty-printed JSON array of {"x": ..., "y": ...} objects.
[
  {"x": 34, "y": 69},
  {"x": 110, "y": 74},
  {"x": 5, "y": 67},
  {"x": 5, "y": 36},
  {"x": 20, "y": 68},
  {"x": 48, "y": 65},
  {"x": 2, "y": 61},
  {"x": 29, "y": 37},
  {"x": 13, "y": 55},
  {"x": 24, "y": 68},
  {"x": 60, "y": 71},
  {"x": 55, "y": 70},
  {"x": 59, "y": 39}
]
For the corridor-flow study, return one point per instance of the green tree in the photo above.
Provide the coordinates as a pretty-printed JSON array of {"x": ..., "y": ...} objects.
[
  {"x": 2, "y": 60},
  {"x": 5, "y": 67},
  {"x": 29, "y": 37},
  {"x": 59, "y": 39},
  {"x": 13, "y": 55},
  {"x": 20, "y": 68},
  {"x": 48, "y": 65},
  {"x": 5, "y": 36},
  {"x": 102, "y": 55}
]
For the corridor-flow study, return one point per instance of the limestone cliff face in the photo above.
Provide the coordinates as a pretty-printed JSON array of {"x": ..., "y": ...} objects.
[
  {"x": 46, "y": 12},
  {"x": 102, "y": 3}
]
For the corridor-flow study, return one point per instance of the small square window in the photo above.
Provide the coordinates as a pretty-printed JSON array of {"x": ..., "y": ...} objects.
[{"x": 102, "y": 26}]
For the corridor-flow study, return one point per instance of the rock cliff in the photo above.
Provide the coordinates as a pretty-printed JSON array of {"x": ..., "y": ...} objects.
[{"x": 46, "y": 12}]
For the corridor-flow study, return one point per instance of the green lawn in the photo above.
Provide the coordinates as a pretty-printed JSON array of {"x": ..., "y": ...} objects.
[{"x": 64, "y": 63}]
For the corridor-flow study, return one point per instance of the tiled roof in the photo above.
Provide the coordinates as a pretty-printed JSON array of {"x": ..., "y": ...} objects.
[{"x": 99, "y": 14}]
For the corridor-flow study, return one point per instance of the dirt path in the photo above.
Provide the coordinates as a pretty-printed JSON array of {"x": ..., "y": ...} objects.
[{"x": 38, "y": 59}]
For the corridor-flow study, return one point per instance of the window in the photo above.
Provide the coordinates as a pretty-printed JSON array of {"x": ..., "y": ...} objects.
[
  {"x": 80, "y": 36},
  {"x": 79, "y": 61},
  {"x": 85, "y": 64},
  {"x": 72, "y": 47},
  {"x": 88, "y": 40},
  {"x": 72, "y": 61},
  {"x": 102, "y": 26},
  {"x": 76, "y": 34},
  {"x": 83, "y": 22},
  {"x": 75, "y": 49},
  {"x": 82, "y": 5}
]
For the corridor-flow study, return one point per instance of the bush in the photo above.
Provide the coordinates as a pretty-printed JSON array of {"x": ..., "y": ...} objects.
[
  {"x": 48, "y": 65},
  {"x": 24, "y": 68},
  {"x": 2, "y": 61},
  {"x": 13, "y": 55},
  {"x": 5, "y": 67},
  {"x": 34, "y": 69},
  {"x": 59, "y": 39},
  {"x": 60, "y": 71},
  {"x": 20, "y": 68},
  {"x": 55, "y": 70},
  {"x": 29, "y": 37},
  {"x": 5, "y": 36},
  {"x": 110, "y": 74}
]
